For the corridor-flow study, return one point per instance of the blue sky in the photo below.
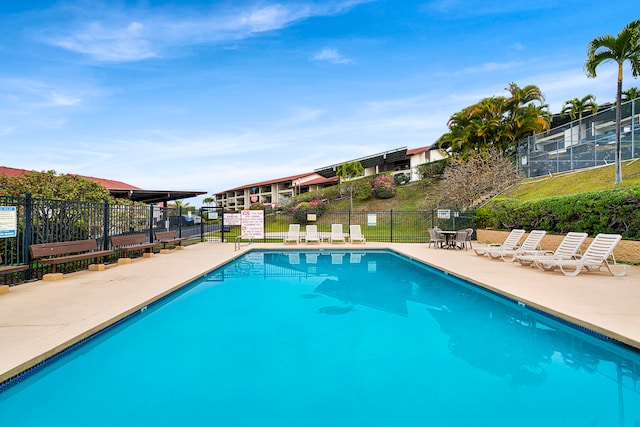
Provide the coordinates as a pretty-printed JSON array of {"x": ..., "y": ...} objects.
[{"x": 210, "y": 95}]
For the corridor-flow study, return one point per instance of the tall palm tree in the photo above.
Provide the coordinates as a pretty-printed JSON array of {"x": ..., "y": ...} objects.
[
  {"x": 630, "y": 94},
  {"x": 619, "y": 49},
  {"x": 346, "y": 172},
  {"x": 576, "y": 107}
]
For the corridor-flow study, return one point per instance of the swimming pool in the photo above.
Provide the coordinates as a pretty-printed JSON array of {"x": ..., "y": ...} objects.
[{"x": 333, "y": 338}]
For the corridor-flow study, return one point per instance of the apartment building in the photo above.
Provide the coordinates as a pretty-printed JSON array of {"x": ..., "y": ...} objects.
[{"x": 277, "y": 192}]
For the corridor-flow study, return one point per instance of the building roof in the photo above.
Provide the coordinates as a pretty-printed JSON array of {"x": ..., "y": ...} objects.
[
  {"x": 414, "y": 151},
  {"x": 321, "y": 180},
  {"x": 271, "y": 181},
  {"x": 122, "y": 190},
  {"x": 386, "y": 157}
]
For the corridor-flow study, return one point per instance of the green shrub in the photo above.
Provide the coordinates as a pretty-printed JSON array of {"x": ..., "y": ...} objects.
[
  {"x": 609, "y": 211},
  {"x": 362, "y": 189}
]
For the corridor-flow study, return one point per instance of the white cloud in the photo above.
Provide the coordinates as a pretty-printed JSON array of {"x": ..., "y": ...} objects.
[
  {"x": 28, "y": 93},
  {"x": 108, "y": 34},
  {"x": 488, "y": 67},
  {"x": 331, "y": 55},
  {"x": 119, "y": 43}
]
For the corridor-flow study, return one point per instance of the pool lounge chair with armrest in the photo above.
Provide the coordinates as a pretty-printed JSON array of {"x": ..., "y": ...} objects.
[
  {"x": 599, "y": 254},
  {"x": 311, "y": 234},
  {"x": 530, "y": 245},
  {"x": 511, "y": 242},
  {"x": 355, "y": 234},
  {"x": 293, "y": 236},
  {"x": 337, "y": 236},
  {"x": 568, "y": 249}
]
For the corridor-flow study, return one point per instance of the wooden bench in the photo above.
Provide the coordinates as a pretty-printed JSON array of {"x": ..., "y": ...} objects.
[
  {"x": 133, "y": 242},
  {"x": 5, "y": 269},
  {"x": 63, "y": 252},
  {"x": 12, "y": 268},
  {"x": 169, "y": 238}
]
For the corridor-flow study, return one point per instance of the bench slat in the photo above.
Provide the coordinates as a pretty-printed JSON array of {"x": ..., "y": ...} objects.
[
  {"x": 11, "y": 268},
  {"x": 40, "y": 250}
]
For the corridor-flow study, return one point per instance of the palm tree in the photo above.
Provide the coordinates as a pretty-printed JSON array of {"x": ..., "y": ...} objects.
[
  {"x": 619, "y": 49},
  {"x": 497, "y": 121},
  {"x": 346, "y": 172},
  {"x": 630, "y": 94},
  {"x": 576, "y": 107}
]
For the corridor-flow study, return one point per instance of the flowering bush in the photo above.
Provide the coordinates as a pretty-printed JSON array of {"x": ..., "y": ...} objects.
[
  {"x": 383, "y": 187},
  {"x": 316, "y": 204},
  {"x": 257, "y": 206}
]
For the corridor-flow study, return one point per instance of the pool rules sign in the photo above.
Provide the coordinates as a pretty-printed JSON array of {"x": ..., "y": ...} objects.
[
  {"x": 8, "y": 221},
  {"x": 252, "y": 224}
]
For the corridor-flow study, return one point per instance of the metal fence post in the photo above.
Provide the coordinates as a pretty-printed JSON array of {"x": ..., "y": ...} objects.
[
  {"x": 222, "y": 225},
  {"x": 202, "y": 213},
  {"x": 105, "y": 232},
  {"x": 151, "y": 212},
  {"x": 391, "y": 225},
  {"x": 27, "y": 233}
]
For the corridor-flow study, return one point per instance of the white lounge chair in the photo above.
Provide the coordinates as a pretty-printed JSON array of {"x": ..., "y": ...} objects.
[
  {"x": 337, "y": 236},
  {"x": 530, "y": 245},
  {"x": 355, "y": 234},
  {"x": 511, "y": 242},
  {"x": 598, "y": 254},
  {"x": 311, "y": 234},
  {"x": 568, "y": 249},
  {"x": 293, "y": 236}
]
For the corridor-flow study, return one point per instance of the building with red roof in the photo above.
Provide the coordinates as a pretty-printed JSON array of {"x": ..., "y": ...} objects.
[
  {"x": 278, "y": 191},
  {"x": 122, "y": 190}
]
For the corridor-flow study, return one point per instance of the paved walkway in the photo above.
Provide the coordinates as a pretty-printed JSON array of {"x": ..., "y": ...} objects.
[{"x": 39, "y": 319}]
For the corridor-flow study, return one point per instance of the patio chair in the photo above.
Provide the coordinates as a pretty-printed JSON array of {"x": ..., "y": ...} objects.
[
  {"x": 460, "y": 240},
  {"x": 337, "y": 236},
  {"x": 469, "y": 235},
  {"x": 355, "y": 234},
  {"x": 511, "y": 242},
  {"x": 599, "y": 254},
  {"x": 435, "y": 237},
  {"x": 568, "y": 249},
  {"x": 293, "y": 236},
  {"x": 530, "y": 245},
  {"x": 311, "y": 234}
]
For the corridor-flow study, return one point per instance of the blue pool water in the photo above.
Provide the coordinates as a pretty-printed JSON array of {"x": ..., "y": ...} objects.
[{"x": 333, "y": 339}]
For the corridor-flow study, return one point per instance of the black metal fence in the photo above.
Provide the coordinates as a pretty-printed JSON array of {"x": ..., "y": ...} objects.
[
  {"x": 46, "y": 221},
  {"x": 378, "y": 226}
]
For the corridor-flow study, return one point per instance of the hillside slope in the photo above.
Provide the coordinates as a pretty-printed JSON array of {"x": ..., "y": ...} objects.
[{"x": 600, "y": 178}]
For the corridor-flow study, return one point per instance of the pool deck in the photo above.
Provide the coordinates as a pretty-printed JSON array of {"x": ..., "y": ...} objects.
[{"x": 39, "y": 319}]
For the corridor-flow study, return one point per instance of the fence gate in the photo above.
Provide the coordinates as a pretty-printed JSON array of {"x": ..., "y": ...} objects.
[{"x": 212, "y": 224}]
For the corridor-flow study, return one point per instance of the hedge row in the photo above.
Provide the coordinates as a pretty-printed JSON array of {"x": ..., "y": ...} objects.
[{"x": 610, "y": 211}]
